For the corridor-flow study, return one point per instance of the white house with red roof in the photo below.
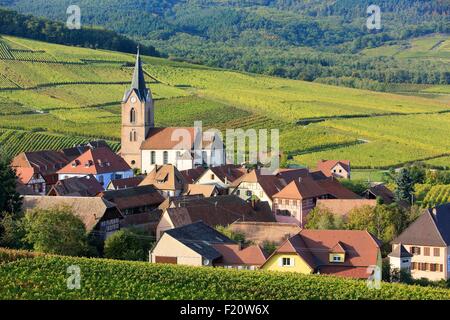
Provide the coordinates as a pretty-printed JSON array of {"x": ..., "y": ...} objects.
[
  {"x": 335, "y": 168},
  {"x": 102, "y": 163}
]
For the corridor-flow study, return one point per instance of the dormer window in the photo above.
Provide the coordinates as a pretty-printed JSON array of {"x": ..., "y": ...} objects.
[{"x": 337, "y": 253}]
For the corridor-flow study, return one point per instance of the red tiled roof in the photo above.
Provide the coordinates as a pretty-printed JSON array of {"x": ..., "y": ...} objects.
[
  {"x": 229, "y": 171},
  {"x": 96, "y": 161},
  {"x": 302, "y": 188},
  {"x": 232, "y": 254},
  {"x": 176, "y": 138},
  {"x": 126, "y": 183},
  {"x": 271, "y": 184}
]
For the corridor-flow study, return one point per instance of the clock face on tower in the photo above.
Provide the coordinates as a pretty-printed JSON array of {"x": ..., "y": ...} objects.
[{"x": 133, "y": 99}]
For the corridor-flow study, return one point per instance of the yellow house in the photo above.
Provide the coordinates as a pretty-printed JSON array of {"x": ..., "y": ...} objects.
[{"x": 347, "y": 253}]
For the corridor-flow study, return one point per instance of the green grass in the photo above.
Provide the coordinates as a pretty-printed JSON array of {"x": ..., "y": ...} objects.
[
  {"x": 46, "y": 278},
  {"x": 368, "y": 175},
  {"x": 80, "y": 92}
]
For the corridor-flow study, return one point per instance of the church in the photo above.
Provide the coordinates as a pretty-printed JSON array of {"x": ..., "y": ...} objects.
[{"x": 145, "y": 146}]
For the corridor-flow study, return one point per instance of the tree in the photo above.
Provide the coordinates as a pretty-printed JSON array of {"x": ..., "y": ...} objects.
[
  {"x": 405, "y": 185},
  {"x": 127, "y": 244},
  {"x": 323, "y": 219},
  {"x": 56, "y": 231},
  {"x": 12, "y": 232},
  {"x": 236, "y": 236},
  {"x": 10, "y": 200}
]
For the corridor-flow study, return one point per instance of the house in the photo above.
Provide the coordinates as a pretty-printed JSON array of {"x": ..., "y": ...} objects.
[
  {"x": 100, "y": 217},
  {"x": 256, "y": 185},
  {"x": 190, "y": 244},
  {"x": 102, "y": 163},
  {"x": 167, "y": 179},
  {"x": 427, "y": 239},
  {"x": 86, "y": 186},
  {"x": 342, "y": 207},
  {"x": 207, "y": 190},
  {"x": 221, "y": 176},
  {"x": 293, "y": 203},
  {"x": 335, "y": 189},
  {"x": 38, "y": 170},
  {"x": 265, "y": 232},
  {"x": 139, "y": 205},
  {"x": 344, "y": 253},
  {"x": 143, "y": 146},
  {"x": 335, "y": 168},
  {"x": 198, "y": 244},
  {"x": 192, "y": 175},
  {"x": 117, "y": 184},
  {"x": 215, "y": 211}
]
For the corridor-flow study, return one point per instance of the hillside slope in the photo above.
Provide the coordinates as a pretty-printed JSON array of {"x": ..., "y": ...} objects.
[
  {"x": 46, "y": 278},
  {"x": 57, "y": 90},
  {"x": 307, "y": 40}
]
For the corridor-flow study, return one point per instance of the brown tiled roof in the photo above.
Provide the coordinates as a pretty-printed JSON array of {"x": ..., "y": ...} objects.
[
  {"x": 342, "y": 207},
  {"x": 192, "y": 175},
  {"x": 292, "y": 174},
  {"x": 96, "y": 161},
  {"x": 380, "y": 190},
  {"x": 326, "y": 165},
  {"x": 204, "y": 189},
  {"x": 335, "y": 189},
  {"x": 400, "y": 252},
  {"x": 259, "y": 232},
  {"x": 314, "y": 246},
  {"x": 232, "y": 254},
  {"x": 126, "y": 183},
  {"x": 302, "y": 188},
  {"x": 229, "y": 171},
  {"x": 134, "y": 197},
  {"x": 347, "y": 272},
  {"x": 220, "y": 210},
  {"x": 271, "y": 184},
  {"x": 166, "y": 177},
  {"x": 79, "y": 187},
  {"x": 432, "y": 228},
  {"x": 89, "y": 209}
]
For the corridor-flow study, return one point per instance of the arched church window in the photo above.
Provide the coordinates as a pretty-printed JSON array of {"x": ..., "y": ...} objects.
[
  {"x": 134, "y": 136},
  {"x": 132, "y": 115},
  {"x": 131, "y": 135}
]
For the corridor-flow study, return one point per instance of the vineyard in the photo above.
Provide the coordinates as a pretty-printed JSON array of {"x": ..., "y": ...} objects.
[
  {"x": 58, "y": 90},
  {"x": 12, "y": 142},
  {"x": 432, "y": 195}
]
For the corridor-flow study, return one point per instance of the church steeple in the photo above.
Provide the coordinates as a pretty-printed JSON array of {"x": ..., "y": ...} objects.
[{"x": 138, "y": 82}]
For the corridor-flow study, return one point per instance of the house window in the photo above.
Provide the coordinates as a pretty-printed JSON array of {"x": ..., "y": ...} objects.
[
  {"x": 132, "y": 115},
  {"x": 165, "y": 157},
  {"x": 415, "y": 250},
  {"x": 287, "y": 262},
  {"x": 426, "y": 251},
  {"x": 436, "y": 252},
  {"x": 153, "y": 157},
  {"x": 249, "y": 193},
  {"x": 336, "y": 259},
  {"x": 213, "y": 177}
]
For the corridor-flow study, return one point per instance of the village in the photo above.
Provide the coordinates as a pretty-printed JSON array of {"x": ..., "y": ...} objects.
[{"x": 196, "y": 209}]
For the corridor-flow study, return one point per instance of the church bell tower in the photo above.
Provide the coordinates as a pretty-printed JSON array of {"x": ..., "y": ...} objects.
[{"x": 137, "y": 117}]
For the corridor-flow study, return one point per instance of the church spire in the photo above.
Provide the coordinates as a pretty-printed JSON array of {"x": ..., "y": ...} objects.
[{"x": 138, "y": 82}]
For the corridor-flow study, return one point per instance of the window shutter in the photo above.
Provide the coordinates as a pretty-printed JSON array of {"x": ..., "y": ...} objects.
[
  {"x": 292, "y": 262},
  {"x": 280, "y": 262}
]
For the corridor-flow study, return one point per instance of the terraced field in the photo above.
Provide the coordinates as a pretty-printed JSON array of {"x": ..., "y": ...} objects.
[{"x": 74, "y": 93}]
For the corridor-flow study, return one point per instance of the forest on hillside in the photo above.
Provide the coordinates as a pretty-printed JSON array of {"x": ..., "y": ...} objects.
[{"x": 316, "y": 40}]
